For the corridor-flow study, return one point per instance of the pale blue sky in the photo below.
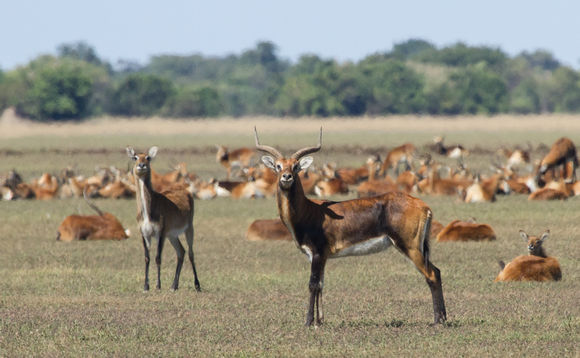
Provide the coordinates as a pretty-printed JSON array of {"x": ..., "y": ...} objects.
[{"x": 344, "y": 30}]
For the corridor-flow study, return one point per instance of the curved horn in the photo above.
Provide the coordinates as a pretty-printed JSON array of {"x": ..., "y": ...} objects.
[
  {"x": 266, "y": 148},
  {"x": 91, "y": 204},
  {"x": 304, "y": 151}
]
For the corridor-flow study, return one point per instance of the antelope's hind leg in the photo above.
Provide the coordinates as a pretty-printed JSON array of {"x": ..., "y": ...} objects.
[
  {"x": 189, "y": 237},
  {"x": 174, "y": 240}
]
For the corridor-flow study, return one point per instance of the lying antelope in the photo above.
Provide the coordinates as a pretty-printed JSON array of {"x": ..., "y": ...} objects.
[
  {"x": 537, "y": 266},
  {"x": 563, "y": 152},
  {"x": 456, "y": 151},
  {"x": 240, "y": 157},
  {"x": 104, "y": 226},
  {"x": 161, "y": 215},
  {"x": 466, "y": 231},
  {"x": 327, "y": 229},
  {"x": 267, "y": 230}
]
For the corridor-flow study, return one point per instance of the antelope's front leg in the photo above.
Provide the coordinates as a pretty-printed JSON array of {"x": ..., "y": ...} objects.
[{"x": 315, "y": 287}]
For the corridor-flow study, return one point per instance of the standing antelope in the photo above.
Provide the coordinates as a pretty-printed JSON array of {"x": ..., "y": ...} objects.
[
  {"x": 162, "y": 215},
  {"x": 402, "y": 154},
  {"x": 537, "y": 266},
  {"x": 563, "y": 152},
  {"x": 327, "y": 229}
]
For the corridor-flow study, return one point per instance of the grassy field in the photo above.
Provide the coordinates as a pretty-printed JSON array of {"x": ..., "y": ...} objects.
[{"x": 85, "y": 298}]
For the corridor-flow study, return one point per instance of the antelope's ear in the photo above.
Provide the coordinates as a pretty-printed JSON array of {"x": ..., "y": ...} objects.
[
  {"x": 152, "y": 152},
  {"x": 305, "y": 162},
  {"x": 269, "y": 162},
  {"x": 545, "y": 235},
  {"x": 131, "y": 152},
  {"x": 524, "y": 235}
]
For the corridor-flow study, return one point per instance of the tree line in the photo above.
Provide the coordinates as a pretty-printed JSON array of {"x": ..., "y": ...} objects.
[{"x": 413, "y": 77}]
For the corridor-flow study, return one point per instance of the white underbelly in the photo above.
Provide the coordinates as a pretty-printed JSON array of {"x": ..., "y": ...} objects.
[{"x": 367, "y": 247}]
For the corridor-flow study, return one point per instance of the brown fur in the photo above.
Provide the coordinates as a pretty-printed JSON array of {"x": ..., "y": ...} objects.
[
  {"x": 267, "y": 230},
  {"x": 548, "y": 194},
  {"x": 330, "y": 187},
  {"x": 323, "y": 229},
  {"x": 562, "y": 152},
  {"x": 466, "y": 231},
  {"x": 91, "y": 227},
  {"x": 160, "y": 214},
  {"x": 483, "y": 191},
  {"x": 240, "y": 157},
  {"x": 401, "y": 154},
  {"x": 536, "y": 266}
]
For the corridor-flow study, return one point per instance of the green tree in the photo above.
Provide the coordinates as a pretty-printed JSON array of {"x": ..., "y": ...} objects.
[
  {"x": 194, "y": 102},
  {"x": 524, "y": 98},
  {"x": 563, "y": 91},
  {"x": 141, "y": 95},
  {"x": 58, "y": 89},
  {"x": 393, "y": 88},
  {"x": 474, "y": 90}
]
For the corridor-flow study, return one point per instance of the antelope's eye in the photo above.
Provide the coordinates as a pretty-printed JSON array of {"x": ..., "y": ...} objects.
[
  {"x": 135, "y": 158},
  {"x": 278, "y": 167},
  {"x": 148, "y": 158}
]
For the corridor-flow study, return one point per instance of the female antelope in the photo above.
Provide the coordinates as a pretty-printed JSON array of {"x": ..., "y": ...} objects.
[
  {"x": 537, "y": 266},
  {"x": 161, "y": 215}
]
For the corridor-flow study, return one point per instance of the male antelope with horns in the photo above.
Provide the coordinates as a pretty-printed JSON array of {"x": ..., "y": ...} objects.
[
  {"x": 327, "y": 229},
  {"x": 160, "y": 215}
]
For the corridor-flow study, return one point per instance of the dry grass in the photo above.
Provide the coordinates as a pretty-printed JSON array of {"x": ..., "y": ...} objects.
[{"x": 85, "y": 299}]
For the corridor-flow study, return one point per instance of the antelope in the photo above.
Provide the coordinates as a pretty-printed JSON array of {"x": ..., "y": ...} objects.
[
  {"x": 328, "y": 229},
  {"x": 330, "y": 186},
  {"x": 563, "y": 152},
  {"x": 548, "y": 194},
  {"x": 454, "y": 151},
  {"x": 267, "y": 230},
  {"x": 402, "y": 154},
  {"x": 466, "y": 231},
  {"x": 103, "y": 226},
  {"x": 374, "y": 186},
  {"x": 483, "y": 191},
  {"x": 536, "y": 266},
  {"x": 236, "y": 158},
  {"x": 435, "y": 185},
  {"x": 161, "y": 215},
  {"x": 516, "y": 157}
]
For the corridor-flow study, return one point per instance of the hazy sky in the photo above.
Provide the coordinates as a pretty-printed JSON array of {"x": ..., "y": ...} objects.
[{"x": 344, "y": 30}]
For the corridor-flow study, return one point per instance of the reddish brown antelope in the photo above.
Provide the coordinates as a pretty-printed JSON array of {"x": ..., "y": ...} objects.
[
  {"x": 161, "y": 215},
  {"x": 327, "y": 229},
  {"x": 104, "y": 226},
  {"x": 537, "y": 266},
  {"x": 563, "y": 152}
]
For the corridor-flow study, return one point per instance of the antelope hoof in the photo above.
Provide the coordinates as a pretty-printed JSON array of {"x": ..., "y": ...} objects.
[
  {"x": 198, "y": 288},
  {"x": 440, "y": 318}
]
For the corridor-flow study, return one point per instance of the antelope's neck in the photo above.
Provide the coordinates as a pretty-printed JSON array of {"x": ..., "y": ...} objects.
[
  {"x": 540, "y": 253},
  {"x": 293, "y": 205},
  {"x": 144, "y": 195}
]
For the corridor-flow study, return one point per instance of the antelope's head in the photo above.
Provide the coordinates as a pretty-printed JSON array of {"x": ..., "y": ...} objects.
[
  {"x": 287, "y": 169},
  {"x": 534, "y": 243},
  {"x": 142, "y": 166}
]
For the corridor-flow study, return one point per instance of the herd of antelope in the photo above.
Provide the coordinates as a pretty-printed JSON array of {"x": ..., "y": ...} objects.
[{"x": 384, "y": 214}]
